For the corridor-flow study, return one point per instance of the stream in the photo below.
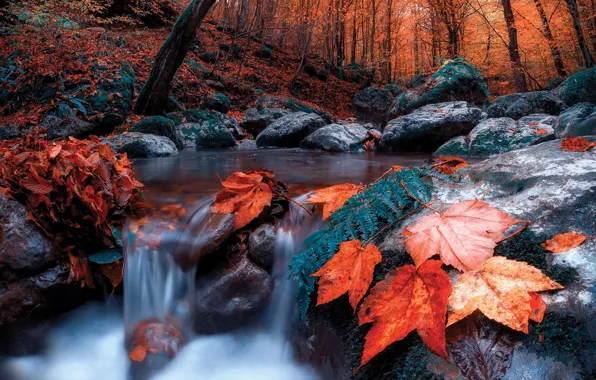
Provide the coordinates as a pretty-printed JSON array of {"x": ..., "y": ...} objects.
[{"x": 92, "y": 342}]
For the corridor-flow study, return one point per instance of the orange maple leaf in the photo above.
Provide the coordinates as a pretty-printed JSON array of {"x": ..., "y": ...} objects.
[
  {"x": 564, "y": 242},
  {"x": 540, "y": 131},
  {"x": 407, "y": 299},
  {"x": 500, "y": 289},
  {"x": 244, "y": 194},
  {"x": 465, "y": 235},
  {"x": 448, "y": 164},
  {"x": 576, "y": 144},
  {"x": 333, "y": 197},
  {"x": 537, "y": 307},
  {"x": 349, "y": 270}
]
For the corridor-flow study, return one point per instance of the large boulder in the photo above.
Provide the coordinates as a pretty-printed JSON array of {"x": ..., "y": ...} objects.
[
  {"x": 256, "y": 120},
  {"x": 22, "y": 245},
  {"x": 207, "y": 129},
  {"x": 290, "y": 130},
  {"x": 578, "y": 88},
  {"x": 58, "y": 128},
  {"x": 578, "y": 120},
  {"x": 230, "y": 297},
  {"x": 217, "y": 102},
  {"x": 160, "y": 126},
  {"x": 516, "y": 106},
  {"x": 427, "y": 128},
  {"x": 455, "y": 80},
  {"x": 142, "y": 145},
  {"x": 500, "y": 135},
  {"x": 112, "y": 101},
  {"x": 292, "y": 105},
  {"x": 336, "y": 138},
  {"x": 372, "y": 104}
]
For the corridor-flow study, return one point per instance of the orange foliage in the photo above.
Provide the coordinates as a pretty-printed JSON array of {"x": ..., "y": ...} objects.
[
  {"x": 564, "y": 242},
  {"x": 349, "y": 270},
  {"x": 448, "y": 164},
  {"x": 333, "y": 197},
  {"x": 155, "y": 337},
  {"x": 576, "y": 144}
]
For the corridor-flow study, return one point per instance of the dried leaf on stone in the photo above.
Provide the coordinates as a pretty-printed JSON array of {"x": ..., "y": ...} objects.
[
  {"x": 349, "y": 270},
  {"x": 540, "y": 131},
  {"x": 244, "y": 194},
  {"x": 407, "y": 299},
  {"x": 564, "y": 242},
  {"x": 500, "y": 289},
  {"x": 465, "y": 235},
  {"x": 333, "y": 197},
  {"x": 448, "y": 164},
  {"x": 576, "y": 144}
]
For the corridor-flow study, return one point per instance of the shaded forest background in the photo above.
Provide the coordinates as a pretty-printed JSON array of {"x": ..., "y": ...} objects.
[{"x": 343, "y": 44}]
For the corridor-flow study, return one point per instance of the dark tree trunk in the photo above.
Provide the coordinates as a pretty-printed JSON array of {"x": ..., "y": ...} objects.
[
  {"x": 593, "y": 25},
  {"x": 388, "y": 42},
  {"x": 354, "y": 38},
  {"x": 453, "y": 46},
  {"x": 554, "y": 49},
  {"x": 518, "y": 74},
  {"x": 154, "y": 94},
  {"x": 583, "y": 46}
]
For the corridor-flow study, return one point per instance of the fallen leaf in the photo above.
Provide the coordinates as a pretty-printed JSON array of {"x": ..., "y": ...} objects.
[
  {"x": 113, "y": 271},
  {"x": 333, "y": 197},
  {"x": 407, "y": 299},
  {"x": 465, "y": 235},
  {"x": 448, "y": 164},
  {"x": 156, "y": 337},
  {"x": 564, "y": 242},
  {"x": 244, "y": 194},
  {"x": 138, "y": 354},
  {"x": 349, "y": 270},
  {"x": 540, "y": 131},
  {"x": 397, "y": 168},
  {"x": 576, "y": 144},
  {"x": 500, "y": 289},
  {"x": 537, "y": 307},
  {"x": 80, "y": 271}
]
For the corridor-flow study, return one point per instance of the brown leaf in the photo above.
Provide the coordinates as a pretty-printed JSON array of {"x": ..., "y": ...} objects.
[
  {"x": 564, "y": 242},
  {"x": 113, "y": 271}
]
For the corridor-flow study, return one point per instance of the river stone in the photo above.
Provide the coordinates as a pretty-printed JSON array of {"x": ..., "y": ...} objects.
[
  {"x": 217, "y": 102},
  {"x": 234, "y": 128},
  {"x": 142, "y": 145},
  {"x": 336, "y": 138},
  {"x": 256, "y": 120},
  {"x": 22, "y": 245},
  {"x": 290, "y": 130},
  {"x": 159, "y": 126},
  {"x": 578, "y": 88},
  {"x": 291, "y": 105},
  {"x": 494, "y": 136},
  {"x": 429, "y": 127},
  {"x": 579, "y": 120},
  {"x": 455, "y": 80},
  {"x": 226, "y": 300},
  {"x": 112, "y": 101},
  {"x": 516, "y": 106},
  {"x": 261, "y": 246},
  {"x": 457, "y": 146},
  {"x": 206, "y": 129},
  {"x": 372, "y": 104}
]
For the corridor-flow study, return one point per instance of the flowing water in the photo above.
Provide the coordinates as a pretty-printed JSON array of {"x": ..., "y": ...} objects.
[{"x": 92, "y": 343}]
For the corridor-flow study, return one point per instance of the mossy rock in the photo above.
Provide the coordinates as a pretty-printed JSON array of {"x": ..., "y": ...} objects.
[
  {"x": 395, "y": 89},
  {"x": 160, "y": 126},
  {"x": 217, "y": 102},
  {"x": 204, "y": 129},
  {"x": 457, "y": 146},
  {"x": 578, "y": 88},
  {"x": 578, "y": 120},
  {"x": 113, "y": 99}
]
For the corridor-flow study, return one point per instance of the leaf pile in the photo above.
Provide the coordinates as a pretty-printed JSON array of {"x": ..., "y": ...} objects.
[{"x": 74, "y": 190}]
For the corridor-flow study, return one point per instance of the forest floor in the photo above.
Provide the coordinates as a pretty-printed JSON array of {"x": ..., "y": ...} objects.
[{"x": 59, "y": 45}]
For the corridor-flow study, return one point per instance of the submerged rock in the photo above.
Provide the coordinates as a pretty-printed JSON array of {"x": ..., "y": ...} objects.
[
  {"x": 372, "y": 104},
  {"x": 22, "y": 245},
  {"x": 429, "y": 127},
  {"x": 159, "y": 126},
  {"x": 142, "y": 145},
  {"x": 290, "y": 130},
  {"x": 516, "y": 106},
  {"x": 579, "y": 120},
  {"x": 336, "y": 138},
  {"x": 226, "y": 300}
]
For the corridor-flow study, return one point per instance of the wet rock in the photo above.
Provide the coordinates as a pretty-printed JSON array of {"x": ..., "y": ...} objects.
[
  {"x": 207, "y": 129},
  {"x": 372, "y": 104},
  {"x": 289, "y": 130},
  {"x": 456, "y": 80},
  {"x": 336, "y": 138},
  {"x": 579, "y": 120},
  {"x": 292, "y": 105},
  {"x": 516, "y": 106},
  {"x": 247, "y": 145},
  {"x": 256, "y": 120},
  {"x": 578, "y": 88},
  {"x": 142, "y": 145},
  {"x": 429, "y": 127},
  {"x": 226, "y": 300},
  {"x": 261, "y": 246},
  {"x": 22, "y": 245},
  {"x": 159, "y": 126},
  {"x": 217, "y": 102}
]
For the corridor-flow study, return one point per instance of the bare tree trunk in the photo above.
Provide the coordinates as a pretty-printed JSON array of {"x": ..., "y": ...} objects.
[
  {"x": 388, "y": 41},
  {"x": 154, "y": 95},
  {"x": 354, "y": 38},
  {"x": 518, "y": 74},
  {"x": 593, "y": 25},
  {"x": 373, "y": 31},
  {"x": 588, "y": 59},
  {"x": 554, "y": 49}
]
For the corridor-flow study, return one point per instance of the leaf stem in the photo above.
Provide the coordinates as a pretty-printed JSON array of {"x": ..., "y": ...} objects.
[
  {"x": 391, "y": 224},
  {"x": 293, "y": 201},
  {"x": 403, "y": 184},
  {"x": 522, "y": 229}
]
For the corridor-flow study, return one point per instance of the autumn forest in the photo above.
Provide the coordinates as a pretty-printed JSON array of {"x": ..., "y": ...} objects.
[{"x": 297, "y": 190}]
